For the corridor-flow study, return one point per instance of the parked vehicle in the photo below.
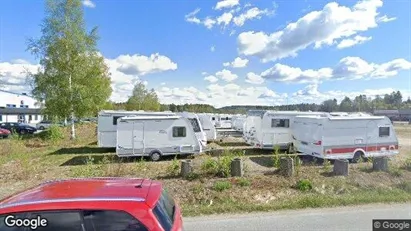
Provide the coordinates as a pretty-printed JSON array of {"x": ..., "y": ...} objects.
[
  {"x": 18, "y": 128},
  {"x": 272, "y": 129},
  {"x": 249, "y": 124},
  {"x": 345, "y": 137},
  {"x": 198, "y": 129},
  {"x": 4, "y": 133},
  {"x": 156, "y": 136},
  {"x": 46, "y": 124},
  {"x": 92, "y": 204},
  {"x": 225, "y": 121},
  {"x": 107, "y": 125},
  {"x": 238, "y": 123},
  {"x": 208, "y": 127}
]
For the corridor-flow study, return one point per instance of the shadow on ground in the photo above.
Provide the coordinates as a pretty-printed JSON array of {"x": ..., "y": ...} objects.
[
  {"x": 265, "y": 161},
  {"x": 232, "y": 144},
  {"x": 83, "y": 150},
  {"x": 112, "y": 159}
]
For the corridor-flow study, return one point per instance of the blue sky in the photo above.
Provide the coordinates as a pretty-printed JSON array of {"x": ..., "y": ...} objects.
[{"x": 185, "y": 49}]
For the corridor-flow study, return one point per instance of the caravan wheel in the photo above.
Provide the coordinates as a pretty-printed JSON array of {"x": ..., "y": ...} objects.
[
  {"x": 357, "y": 157},
  {"x": 155, "y": 156}
]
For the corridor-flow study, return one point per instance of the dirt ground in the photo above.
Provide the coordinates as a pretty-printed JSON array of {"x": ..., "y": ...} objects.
[{"x": 25, "y": 163}]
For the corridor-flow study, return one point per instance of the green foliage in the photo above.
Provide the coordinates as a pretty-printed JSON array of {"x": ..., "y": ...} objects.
[
  {"x": 142, "y": 99},
  {"x": 210, "y": 166},
  {"x": 243, "y": 182},
  {"x": 276, "y": 157},
  {"x": 222, "y": 185},
  {"x": 174, "y": 168},
  {"x": 396, "y": 172},
  {"x": 327, "y": 165},
  {"x": 53, "y": 133},
  {"x": 304, "y": 185},
  {"x": 67, "y": 52}
]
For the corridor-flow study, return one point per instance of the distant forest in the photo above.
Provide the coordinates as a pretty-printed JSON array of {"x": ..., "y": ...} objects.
[{"x": 147, "y": 100}]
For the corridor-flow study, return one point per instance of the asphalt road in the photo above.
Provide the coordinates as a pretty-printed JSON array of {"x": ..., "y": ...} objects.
[{"x": 342, "y": 218}]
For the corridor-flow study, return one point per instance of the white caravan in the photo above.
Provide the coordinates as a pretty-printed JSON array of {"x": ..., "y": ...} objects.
[
  {"x": 215, "y": 119},
  {"x": 208, "y": 127},
  {"x": 107, "y": 125},
  {"x": 238, "y": 123},
  {"x": 273, "y": 129},
  {"x": 155, "y": 136},
  {"x": 198, "y": 129},
  {"x": 225, "y": 121},
  {"x": 249, "y": 124},
  {"x": 345, "y": 137}
]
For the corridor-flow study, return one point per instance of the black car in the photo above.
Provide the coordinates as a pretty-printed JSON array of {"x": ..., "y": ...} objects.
[{"x": 18, "y": 128}]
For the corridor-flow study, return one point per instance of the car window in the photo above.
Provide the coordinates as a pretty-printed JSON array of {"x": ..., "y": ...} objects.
[
  {"x": 164, "y": 211},
  {"x": 108, "y": 220},
  {"x": 8, "y": 225},
  {"x": 61, "y": 221}
]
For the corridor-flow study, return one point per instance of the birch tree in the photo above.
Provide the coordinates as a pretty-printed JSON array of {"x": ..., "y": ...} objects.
[{"x": 73, "y": 80}]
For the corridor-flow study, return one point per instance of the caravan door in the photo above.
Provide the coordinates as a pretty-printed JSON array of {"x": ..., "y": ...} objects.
[
  {"x": 371, "y": 137},
  {"x": 138, "y": 139}
]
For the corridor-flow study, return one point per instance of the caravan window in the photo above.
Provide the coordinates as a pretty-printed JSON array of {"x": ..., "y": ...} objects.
[
  {"x": 384, "y": 131},
  {"x": 280, "y": 123},
  {"x": 115, "y": 118},
  {"x": 179, "y": 131},
  {"x": 195, "y": 124},
  {"x": 213, "y": 118}
]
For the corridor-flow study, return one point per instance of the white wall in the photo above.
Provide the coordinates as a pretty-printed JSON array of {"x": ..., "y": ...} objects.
[{"x": 20, "y": 101}]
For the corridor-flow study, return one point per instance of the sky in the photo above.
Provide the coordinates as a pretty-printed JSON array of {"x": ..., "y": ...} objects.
[{"x": 232, "y": 52}]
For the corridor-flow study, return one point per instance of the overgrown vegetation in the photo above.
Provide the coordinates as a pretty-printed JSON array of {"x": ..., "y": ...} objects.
[
  {"x": 304, "y": 185},
  {"x": 276, "y": 157},
  {"x": 222, "y": 185},
  {"x": 174, "y": 168}
]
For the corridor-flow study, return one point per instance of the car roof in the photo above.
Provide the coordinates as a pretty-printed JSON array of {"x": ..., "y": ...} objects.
[{"x": 59, "y": 192}]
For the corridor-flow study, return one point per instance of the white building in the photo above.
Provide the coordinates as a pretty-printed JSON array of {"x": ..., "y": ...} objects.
[{"x": 15, "y": 107}]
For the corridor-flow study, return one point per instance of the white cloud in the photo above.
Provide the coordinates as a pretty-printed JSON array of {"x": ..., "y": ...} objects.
[
  {"x": 233, "y": 17},
  {"x": 204, "y": 73},
  {"x": 253, "y": 13},
  {"x": 237, "y": 63},
  {"x": 212, "y": 48},
  {"x": 385, "y": 18},
  {"x": 211, "y": 79},
  {"x": 226, "y": 75},
  {"x": 162, "y": 84},
  {"x": 225, "y": 18},
  {"x": 317, "y": 28},
  {"x": 142, "y": 65},
  {"x": 353, "y": 41},
  {"x": 89, "y": 3},
  {"x": 347, "y": 68},
  {"x": 254, "y": 78},
  {"x": 311, "y": 94},
  {"x": 226, "y": 4},
  {"x": 125, "y": 71}
]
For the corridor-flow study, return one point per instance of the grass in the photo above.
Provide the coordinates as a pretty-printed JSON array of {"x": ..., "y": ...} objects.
[{"x": 209, "y": 189}]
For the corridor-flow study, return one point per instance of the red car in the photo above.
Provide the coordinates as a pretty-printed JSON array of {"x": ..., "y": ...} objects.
[
  {"x": 4, "y": 133},
  {"x": 92, "y": 204}
]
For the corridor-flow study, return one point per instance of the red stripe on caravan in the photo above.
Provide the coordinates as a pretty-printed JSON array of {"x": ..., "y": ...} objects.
[{"x": 367, "y": 149}]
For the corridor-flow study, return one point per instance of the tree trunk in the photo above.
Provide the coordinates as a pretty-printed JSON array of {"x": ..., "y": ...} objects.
[{"x": 73, "y": 130}]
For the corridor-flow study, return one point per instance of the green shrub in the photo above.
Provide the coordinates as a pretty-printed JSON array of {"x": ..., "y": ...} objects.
[
  {"x": 396, "y": 172},
  {"x": 406, "y": 186},
  {"x": 276, "y": 157},
  {"x": 243, "y": 182},
  {"x": 210, "y": 166},
  {"x": 174, "y": 168},
  {"x": 304, "y": 185},
  {"x": 224, "y": 165},
  {"x": 53, "y": 133},
  {"x": 222, "y": 185},
  {"x": 327, "y": 165}
]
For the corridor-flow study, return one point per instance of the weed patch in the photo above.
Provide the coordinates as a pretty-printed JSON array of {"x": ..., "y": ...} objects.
[
  {"x": 222, "y": 185},
  {"x": 304, "y": 185}
]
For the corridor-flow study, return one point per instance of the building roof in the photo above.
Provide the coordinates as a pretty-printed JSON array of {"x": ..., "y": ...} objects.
[
  {"x": 15, "y": 93},
  {"x": 83, "y": 190},
  {"x": 16, "y": 111}
]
